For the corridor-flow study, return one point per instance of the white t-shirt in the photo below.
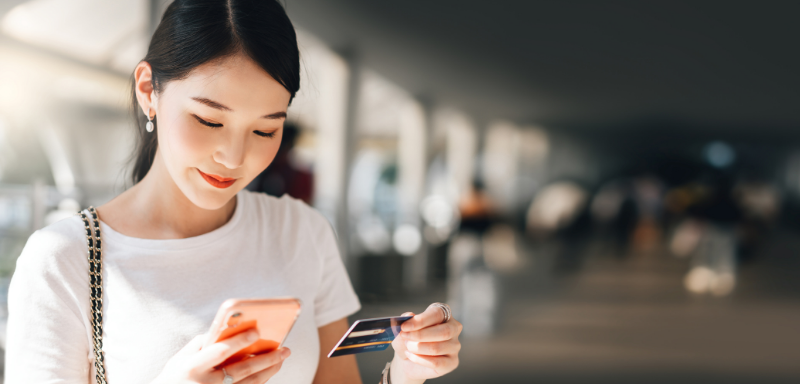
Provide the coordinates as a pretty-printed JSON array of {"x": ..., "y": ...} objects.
[{"x": 159, "y": 294}]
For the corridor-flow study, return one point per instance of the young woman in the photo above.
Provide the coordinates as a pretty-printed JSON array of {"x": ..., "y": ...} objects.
[{"x": 218, "y": 78}]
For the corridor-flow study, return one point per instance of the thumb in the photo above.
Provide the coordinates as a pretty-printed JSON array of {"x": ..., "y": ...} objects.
[
  {"x": 399, "y": 342},
  {"x": 399, "y": 346}
]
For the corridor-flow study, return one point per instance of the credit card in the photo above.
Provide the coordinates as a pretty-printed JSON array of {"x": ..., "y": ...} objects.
[{"x": 369, "y": 335}]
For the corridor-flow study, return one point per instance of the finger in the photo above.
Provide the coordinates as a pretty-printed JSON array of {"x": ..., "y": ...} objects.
[
  {"x": 439, "y": 364},
  {"x": 450, "y": 347},
  {"x": 441, "y": 332},
  {"x": 214, "y": 354},
  {"x": 257, "y": 363},
  {"x": 459, "y": 327},
  {"x": 399, "y": 346},
  {"x": 261, "y": 377},
  {"x": 431, "y": 316},
  {"x": 193, "y": 345}
]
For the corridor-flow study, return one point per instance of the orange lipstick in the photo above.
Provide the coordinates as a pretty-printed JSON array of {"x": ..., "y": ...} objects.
[{"x": 217, "y": 181}]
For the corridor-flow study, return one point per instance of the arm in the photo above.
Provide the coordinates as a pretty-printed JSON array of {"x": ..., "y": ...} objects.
[
  {"x": 342, "y": 369},
  {"x": 48, "y": 340},
  {"x": 334, "y": 301}
]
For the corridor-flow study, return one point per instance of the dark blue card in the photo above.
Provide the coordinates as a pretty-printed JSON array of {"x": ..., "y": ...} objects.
[{"x": 369, "y": 335}]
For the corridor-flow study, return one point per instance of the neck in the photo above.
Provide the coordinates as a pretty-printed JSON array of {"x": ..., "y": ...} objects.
[{"x": 155, "y": 208}]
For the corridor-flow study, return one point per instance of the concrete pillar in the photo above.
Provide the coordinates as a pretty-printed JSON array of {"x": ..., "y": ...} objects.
[
  {"x": 462, "y": 143},
  {"x": 500, "y": 157},
  {"x": 412, "y": 162},
  {"x": 337, "y": 86}
]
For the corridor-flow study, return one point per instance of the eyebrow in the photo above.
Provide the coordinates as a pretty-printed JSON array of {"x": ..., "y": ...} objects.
[{"x": 216, "y": 105}]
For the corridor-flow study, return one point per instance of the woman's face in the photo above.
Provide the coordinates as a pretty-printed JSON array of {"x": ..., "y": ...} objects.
[{"x": 219, "y": 128}]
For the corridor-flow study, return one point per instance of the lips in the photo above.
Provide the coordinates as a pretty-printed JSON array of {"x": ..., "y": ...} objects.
[{"x": 217, "y": 181}]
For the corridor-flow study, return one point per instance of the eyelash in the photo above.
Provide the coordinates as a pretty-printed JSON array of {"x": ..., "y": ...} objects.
[
  {"x": 264, "y": 134},
  {"x": 206, "y": 123},
  {"x": 215, "y": 126}
]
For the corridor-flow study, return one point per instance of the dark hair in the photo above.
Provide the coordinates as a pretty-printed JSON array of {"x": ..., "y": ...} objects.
[{"x": 194, "y": 32}]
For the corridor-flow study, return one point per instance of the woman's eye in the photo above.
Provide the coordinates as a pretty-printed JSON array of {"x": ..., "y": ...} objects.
[
  {"x": 212, "y": 125},
  {"x": 265, "y": 134},
  {"x": 215, "y": 125}
]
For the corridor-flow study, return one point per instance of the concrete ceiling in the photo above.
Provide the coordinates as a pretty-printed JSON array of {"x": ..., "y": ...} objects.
[
  {"x": 593, "y": 66},
  {"x": 725, "y": 64}
]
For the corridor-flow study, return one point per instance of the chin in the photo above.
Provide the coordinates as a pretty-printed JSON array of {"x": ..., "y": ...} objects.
[{"x": 211, "y": 199}]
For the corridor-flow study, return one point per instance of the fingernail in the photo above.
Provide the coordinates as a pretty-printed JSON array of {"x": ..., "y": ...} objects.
[
  {"x": 285, "y": 353},
  {"x": 252, "y": 336}
]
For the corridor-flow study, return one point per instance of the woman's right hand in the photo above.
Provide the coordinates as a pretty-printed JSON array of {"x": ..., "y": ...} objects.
[{"x": 193, "y": 364}]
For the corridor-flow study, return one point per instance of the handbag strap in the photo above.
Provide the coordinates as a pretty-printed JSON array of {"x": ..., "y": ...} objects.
[{"x": 96, "y": 288}]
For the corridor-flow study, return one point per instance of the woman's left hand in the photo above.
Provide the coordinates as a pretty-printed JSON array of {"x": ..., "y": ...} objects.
[{"x": 426, "y": 348}]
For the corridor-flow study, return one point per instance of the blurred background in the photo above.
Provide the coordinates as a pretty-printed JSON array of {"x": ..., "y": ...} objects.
[{"x": 604, "y": 191}]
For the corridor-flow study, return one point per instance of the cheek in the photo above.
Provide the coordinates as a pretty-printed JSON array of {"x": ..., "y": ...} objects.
[
  {"x": 188, "y": 144},
  {"x": 264, "y": 153}
]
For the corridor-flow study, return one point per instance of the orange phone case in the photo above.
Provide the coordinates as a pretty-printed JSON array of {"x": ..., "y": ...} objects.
[{"x": 273, "y": 318}]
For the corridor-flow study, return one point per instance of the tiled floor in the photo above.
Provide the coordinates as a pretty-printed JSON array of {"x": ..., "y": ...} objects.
[{"x": 630, "y": 321}]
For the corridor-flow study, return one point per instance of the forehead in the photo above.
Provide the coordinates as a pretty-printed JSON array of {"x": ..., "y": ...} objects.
[{"x": 235, "y": 81}]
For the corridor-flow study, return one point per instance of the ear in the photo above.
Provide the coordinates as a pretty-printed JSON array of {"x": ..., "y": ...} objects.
[{"x": 145, "y": 94}]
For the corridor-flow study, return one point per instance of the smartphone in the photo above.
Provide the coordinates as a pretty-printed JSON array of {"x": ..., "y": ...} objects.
[{"x": 273, "y": 318}]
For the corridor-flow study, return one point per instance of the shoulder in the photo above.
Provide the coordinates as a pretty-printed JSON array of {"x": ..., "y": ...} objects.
[{"x": 58, "y": 249}]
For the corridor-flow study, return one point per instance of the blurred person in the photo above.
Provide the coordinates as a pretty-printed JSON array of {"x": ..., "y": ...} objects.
[
  {"x": 713, "y": 267},
  {"x": 558, "y": 215},
  {"x": 760, "y": 203},
  {"x": 607, "y": 202},
  {"x": 475, "y": 208},
  {"x": 219, "y": 75},
  {"x": 613, "y": 208},
  {"x": 750, "y": 208},
  {"x": 471, "y": 286},
  {"x": 708, "y": 235},
  {"x": 648, "y": 195},
  {"x": 283, "y": 176},
  {"x": 632, "y": 209},
  {"x": 463, "y": 254}
]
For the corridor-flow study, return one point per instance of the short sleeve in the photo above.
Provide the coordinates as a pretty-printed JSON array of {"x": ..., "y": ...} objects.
[
  {"x": 47, "y": 338},
  {"x": 335, "y": 298}
]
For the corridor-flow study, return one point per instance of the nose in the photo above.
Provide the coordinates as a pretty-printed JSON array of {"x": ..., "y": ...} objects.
[{"x": 231, "y": 154}]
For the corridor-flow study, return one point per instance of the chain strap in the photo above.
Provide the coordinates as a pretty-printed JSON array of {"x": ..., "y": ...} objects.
[{"x": 96, "y": 286}]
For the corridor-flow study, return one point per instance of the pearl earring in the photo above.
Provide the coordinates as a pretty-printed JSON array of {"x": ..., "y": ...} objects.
[{"x": 149, "y": 127}]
